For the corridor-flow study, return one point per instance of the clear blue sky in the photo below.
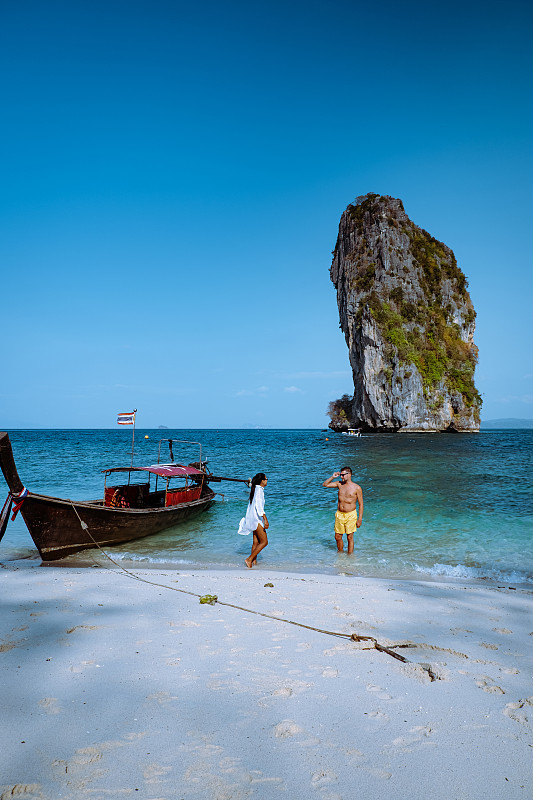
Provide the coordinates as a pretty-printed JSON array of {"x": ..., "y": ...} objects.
[{"x": 173, "y": 177}]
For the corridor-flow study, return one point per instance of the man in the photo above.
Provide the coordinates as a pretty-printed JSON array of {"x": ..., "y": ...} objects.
[{"x": 346, "y": 519}]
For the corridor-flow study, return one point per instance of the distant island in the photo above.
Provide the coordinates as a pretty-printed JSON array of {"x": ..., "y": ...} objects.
[
  {"x": 409, "y": 325},
  {"x": 507, "y": 422}
]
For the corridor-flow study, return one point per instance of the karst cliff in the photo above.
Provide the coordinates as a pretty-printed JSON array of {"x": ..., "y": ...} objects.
[{"x": 409, "y": 325}]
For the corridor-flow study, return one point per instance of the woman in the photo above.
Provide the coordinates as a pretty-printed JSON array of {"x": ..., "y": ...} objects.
[{"x": 255, "y": 520}]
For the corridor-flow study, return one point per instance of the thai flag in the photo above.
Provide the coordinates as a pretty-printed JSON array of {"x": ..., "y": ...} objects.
[{"x": 126, "y": 419}]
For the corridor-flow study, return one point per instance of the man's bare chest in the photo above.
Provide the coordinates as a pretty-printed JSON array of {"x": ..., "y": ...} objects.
[{"x": 348, "y": 493}]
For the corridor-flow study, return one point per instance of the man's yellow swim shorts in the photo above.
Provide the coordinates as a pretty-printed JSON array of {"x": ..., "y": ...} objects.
[{"x": 346, "y": 521}]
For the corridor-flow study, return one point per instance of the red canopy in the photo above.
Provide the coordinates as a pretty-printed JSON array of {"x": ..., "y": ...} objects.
[
  {"x": 165, "y": 470},
  {"x": 171, "y": 470}
]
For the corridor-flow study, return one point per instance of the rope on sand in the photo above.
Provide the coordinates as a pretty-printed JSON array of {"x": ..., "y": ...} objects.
[{"x": 353, "y": 636}]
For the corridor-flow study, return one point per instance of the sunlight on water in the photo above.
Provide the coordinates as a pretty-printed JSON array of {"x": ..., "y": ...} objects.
[{"x": 436, "y": 506}]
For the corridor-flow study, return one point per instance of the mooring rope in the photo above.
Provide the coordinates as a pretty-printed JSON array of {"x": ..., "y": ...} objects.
[{"x": 355, "y": 637}]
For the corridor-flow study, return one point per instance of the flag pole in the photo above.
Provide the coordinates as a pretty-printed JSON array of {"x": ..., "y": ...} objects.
[{"x": 133, "y": 435}]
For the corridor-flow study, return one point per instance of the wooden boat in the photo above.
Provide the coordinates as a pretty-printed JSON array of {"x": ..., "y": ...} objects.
[{"x": 128, "y": 511}]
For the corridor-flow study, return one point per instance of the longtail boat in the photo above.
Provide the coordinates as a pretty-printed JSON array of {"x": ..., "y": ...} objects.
[{"x": 129, "y": 509}]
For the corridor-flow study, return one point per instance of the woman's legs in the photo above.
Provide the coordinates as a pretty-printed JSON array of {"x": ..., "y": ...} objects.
[
  {"x": 255, "y": 542},
  {"x": 260, "y": 542}
]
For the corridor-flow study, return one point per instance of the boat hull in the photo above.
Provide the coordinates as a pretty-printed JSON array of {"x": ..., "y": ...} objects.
[{"x": 55, "y": 524}]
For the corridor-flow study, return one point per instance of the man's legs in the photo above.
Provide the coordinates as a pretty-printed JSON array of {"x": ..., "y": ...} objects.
[
  {"x": 351, "y": 524},
  {"x": 339, "y": 530},
  {"x": 342, "y": 524}
]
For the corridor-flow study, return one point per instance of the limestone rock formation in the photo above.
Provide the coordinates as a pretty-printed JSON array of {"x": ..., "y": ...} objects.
[{"x": 409, "y": 324}]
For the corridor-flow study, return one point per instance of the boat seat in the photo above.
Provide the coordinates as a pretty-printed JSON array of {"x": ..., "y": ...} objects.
[
  {"x": 135, "y": 494},
  {"x": 184, "y": 494}
]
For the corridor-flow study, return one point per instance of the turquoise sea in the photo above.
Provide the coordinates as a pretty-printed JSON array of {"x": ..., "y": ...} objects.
[{"x": 437, "y": 506}]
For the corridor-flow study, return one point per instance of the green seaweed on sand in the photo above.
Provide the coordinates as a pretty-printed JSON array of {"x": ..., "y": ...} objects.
[{"x": 209, "y": 598}]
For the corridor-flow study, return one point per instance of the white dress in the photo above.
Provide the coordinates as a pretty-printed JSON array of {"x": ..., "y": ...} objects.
[{"x": 254, "y": 513}]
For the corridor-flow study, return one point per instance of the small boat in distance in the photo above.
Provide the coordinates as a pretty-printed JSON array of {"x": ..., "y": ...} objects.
[
  {"x": 352, "y": 432},
  {"x": 128, "y": 510}
]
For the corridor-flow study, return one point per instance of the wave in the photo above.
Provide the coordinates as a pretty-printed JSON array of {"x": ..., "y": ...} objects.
[
  {"x": 158, "y": 559},
  {"x": 475, "y": 573}
]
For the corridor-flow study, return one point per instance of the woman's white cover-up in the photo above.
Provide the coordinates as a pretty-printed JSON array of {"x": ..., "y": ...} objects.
[{"x": 254, "y": 513}]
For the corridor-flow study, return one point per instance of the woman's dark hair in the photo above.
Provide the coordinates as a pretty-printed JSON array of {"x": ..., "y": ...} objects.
[{"x": 256, "y": 480}]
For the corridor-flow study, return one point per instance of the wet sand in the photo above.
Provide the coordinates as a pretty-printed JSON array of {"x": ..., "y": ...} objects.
[{"x": 116, "y": 687}]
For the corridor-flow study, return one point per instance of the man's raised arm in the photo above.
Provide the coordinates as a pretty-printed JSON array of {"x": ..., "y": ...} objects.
[{"x": 329, "y": 485}]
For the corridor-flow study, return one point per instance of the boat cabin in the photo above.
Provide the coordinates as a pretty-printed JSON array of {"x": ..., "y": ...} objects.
[{"x": 139, "y": 494}]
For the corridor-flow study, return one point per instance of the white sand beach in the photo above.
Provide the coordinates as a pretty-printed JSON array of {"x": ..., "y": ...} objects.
[{"x": 116, "y": 687}]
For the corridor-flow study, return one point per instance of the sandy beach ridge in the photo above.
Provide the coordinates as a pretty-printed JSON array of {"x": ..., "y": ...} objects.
[{"x": 118, "y": 687}]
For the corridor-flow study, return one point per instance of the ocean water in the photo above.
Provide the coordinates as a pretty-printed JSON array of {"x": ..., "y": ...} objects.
[{"x": 437, "y": 506}]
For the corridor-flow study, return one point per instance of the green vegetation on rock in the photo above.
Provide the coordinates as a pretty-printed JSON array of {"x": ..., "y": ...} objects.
[
  {"x": 436, "y": 262},
  {"x": 365, "y": 277},
  {"x": 389, "y": 270},
  {"x": 358, "y": 211},
  {"x": 433, "y": 344},
  {"x": 340, "y": 412}
]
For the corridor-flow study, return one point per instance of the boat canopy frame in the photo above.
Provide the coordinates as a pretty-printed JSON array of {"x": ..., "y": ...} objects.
[{"x": 165, "y": 471}]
